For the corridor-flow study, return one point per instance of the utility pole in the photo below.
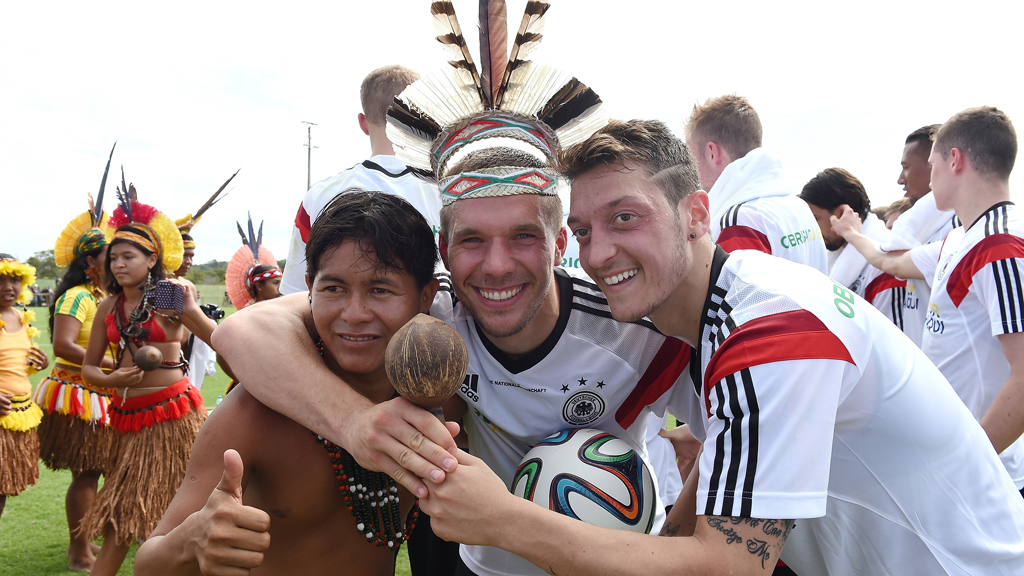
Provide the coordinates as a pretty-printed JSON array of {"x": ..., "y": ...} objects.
[{"x": 309, "y": 153}]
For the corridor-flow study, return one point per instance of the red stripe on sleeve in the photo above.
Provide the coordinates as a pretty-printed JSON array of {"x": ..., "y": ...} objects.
[
  {"x": 991, "y": 249},
  {"x": 880, "y": 284},
  {"x": 302, "y": 223},
  {"x": 670, "y": 361},
  {"x": 795, "y": 335},
  {"x": 744, "y": 238}
]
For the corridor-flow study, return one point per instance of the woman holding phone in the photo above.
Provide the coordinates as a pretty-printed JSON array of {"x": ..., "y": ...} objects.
[{"x": 155, "y": 410}]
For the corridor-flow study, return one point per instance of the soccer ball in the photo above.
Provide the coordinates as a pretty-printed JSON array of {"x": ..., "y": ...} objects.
[{"x": 589, "y": 475}]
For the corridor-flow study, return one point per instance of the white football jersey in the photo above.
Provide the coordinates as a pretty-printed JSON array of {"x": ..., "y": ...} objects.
[
  {"x": 591, "y": 372},
  {"x": 380, "y": 173},
  {"x": 922, "y": 224},
  {"x": 883, "y": 291},
  {"x": 812, "y": 406},
  {"x": 782, "y": 226},
  {"x": 977, "y": 296}
]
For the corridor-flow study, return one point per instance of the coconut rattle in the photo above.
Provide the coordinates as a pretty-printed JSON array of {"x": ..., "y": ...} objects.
[
  {"x": 148, "y": 358},
  {"x": 426, "y": 361}
]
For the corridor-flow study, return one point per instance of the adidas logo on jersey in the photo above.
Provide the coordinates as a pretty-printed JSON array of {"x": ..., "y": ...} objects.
[{"x": 471, "y": 387}]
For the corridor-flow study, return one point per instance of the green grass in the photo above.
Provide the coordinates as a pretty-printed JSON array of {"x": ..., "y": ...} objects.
[{"x": 33, "y": 528}]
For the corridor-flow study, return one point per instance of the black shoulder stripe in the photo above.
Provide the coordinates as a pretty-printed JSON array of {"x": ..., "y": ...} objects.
[
  {"x": 590, "y": 297},
  {"x": 606, "y": 314},
  {"x": 582, "y": 282}
]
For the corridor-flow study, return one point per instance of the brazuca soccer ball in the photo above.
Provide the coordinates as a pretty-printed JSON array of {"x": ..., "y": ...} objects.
[{"x": 589, "y": 475}]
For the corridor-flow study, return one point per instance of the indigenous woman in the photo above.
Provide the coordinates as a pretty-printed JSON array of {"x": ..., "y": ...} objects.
[
  {"x": 156, "y": 413},
  {"x": 252, "y": 276},
  {"x": 19, "y": 415},
  {"x": 75, "y": 433}
]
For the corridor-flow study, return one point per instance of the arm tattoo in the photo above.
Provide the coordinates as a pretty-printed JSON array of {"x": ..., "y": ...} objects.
[
  {"x": 776, "y": 529},
  {"x": 670, "y": 529}
]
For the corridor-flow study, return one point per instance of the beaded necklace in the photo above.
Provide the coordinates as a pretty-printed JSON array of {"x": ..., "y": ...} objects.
[{"x": 375, "y": 506}]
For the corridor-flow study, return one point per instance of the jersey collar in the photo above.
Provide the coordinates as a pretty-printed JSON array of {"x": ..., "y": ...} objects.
[
  {"x": 710, "y": 312},
  {"x": 990, "y": 209},
  {"x": 516, "y": 365}
]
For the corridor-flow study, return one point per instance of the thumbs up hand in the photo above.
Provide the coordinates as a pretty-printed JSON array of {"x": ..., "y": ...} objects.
[{"x": 227, "y": 537}]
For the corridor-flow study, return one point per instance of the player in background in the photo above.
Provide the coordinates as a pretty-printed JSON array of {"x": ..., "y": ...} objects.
[
  {"x": 893, "y": 211},
  {"x": 826, "y": 194},
  {"x": 382, "y": 171},
  {"x": 974, "y": 331},
  {"x": 881, "y": 465},
  {"x": 923, "y": 223},
  {"x": 752, "y": 205}
]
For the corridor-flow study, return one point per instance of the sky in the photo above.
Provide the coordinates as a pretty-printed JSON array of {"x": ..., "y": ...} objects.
[{"x": 192, "y": 91}]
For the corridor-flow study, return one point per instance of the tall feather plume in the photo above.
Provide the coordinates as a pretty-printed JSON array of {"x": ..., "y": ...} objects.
[
  {"x": 253, "y": 241},
  {"x": 528, "y": 37},
  {"x": 493, "y": 47},
  {"x": 214, "y": 199},
  {"x": 96, "y": 208},
  {"x": 449, "y": 34},
  {"x": 124, "y": 197}
]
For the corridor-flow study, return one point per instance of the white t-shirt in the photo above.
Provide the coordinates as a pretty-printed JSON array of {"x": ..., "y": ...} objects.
[
  {"x": 380, "y": 173},
  {"x": 977, "y": 296},
  {"x": 812, "y": 406},
  {"x": 778, "y": 225},
  {"x": 884, "y": 291},
  {"x": 591, "y": 372},
  {"x": 753, "y": 208},
  {"x": 922, "y": 224}
]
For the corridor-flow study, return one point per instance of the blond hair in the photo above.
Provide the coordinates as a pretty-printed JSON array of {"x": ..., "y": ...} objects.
[
  {"x": 729, "y": 121},
  {"x": 380, "y": 87}
]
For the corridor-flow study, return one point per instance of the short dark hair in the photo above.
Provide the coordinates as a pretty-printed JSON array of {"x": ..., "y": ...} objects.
[
  {"x": 379, "y": 88},
  {"x": 383, "y": 225},
  {"x": 923, "y": 137},
  {"x": 729, "y": 121},
  {"x": 551, "y": 206},
  {"x": 833, "y": 187},
  {"x": 156, "y": 274},
  {"x": 985, "y": 135},
  {"x": 649, "y": 143}
]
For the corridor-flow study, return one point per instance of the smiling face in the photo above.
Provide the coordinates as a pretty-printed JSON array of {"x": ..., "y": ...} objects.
[
  {"x": 10, "y": 290},
  {"x": 358, "y": 306},
  {"x": 632, "y": 242},
  {"x": 129, "y": 265},
  {"x": 501, "y": 257},
  {"x": 915, "y": 173}
]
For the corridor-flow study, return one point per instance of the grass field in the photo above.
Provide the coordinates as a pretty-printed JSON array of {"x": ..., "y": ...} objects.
[{"x": 33, "y": 529}]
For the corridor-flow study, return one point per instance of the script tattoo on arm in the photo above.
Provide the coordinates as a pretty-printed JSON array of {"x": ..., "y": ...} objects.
[{"x": 775, "y": 530}]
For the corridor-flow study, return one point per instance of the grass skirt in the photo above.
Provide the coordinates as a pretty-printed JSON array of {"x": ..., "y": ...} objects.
[
  {"x": 148, "y": 467},
  {"x": 75, "y": 433},
  {"x": 19, "y": 446}
]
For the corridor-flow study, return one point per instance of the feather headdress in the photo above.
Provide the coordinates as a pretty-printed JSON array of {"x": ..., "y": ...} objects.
[
  {"x": 165, "y": 239},
  {"x": 239, "y": 279},
  {"x": 510, "y": 96},
  {"x": 87, "y": 231},
  {"x": 186, "y": 222}
]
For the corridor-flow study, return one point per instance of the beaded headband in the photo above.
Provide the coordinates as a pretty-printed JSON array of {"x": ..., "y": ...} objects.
[
  {"x": 251, "y": 280},
  {"x": 139, "y": 239},
  {"x": 508, "y": 97},
  {"x": 498, "y": 181}
]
